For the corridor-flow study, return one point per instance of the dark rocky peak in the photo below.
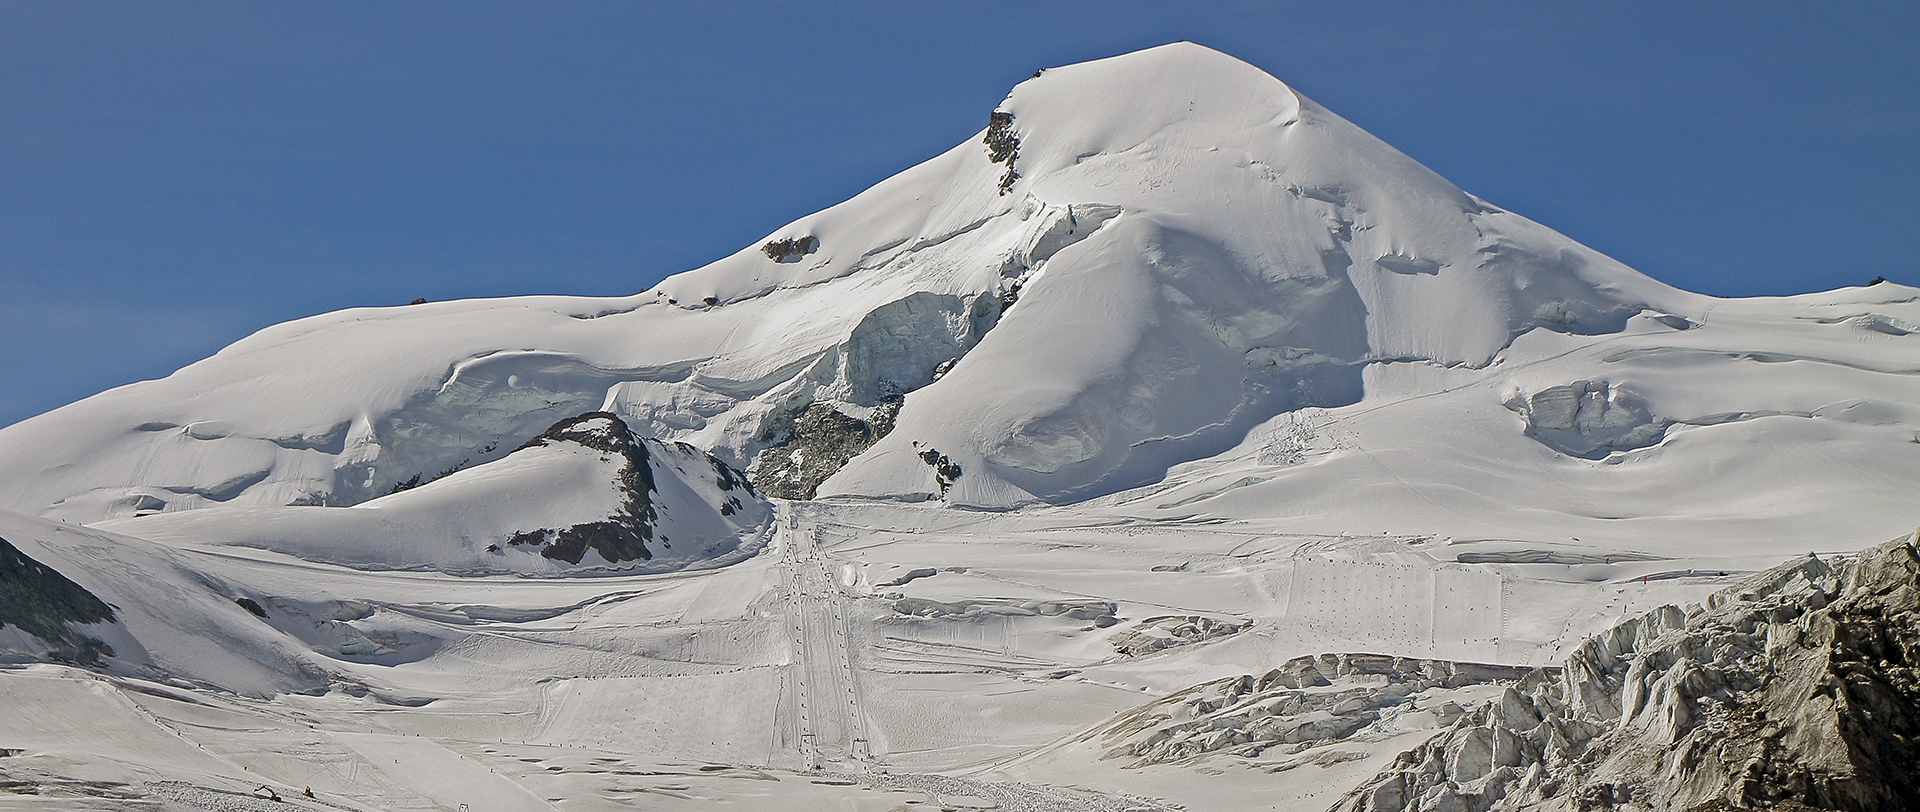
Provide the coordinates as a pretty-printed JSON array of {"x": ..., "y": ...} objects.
[
  {"x": 600, "y": 431},
  {"x": 623, "y": 536}
]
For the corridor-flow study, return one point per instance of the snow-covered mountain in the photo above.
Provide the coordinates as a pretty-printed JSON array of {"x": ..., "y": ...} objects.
[
  {"x": 1227, "y": 386},
  {"x": 1138, "y": 264},
  {"x": 1171, "y": 248}
]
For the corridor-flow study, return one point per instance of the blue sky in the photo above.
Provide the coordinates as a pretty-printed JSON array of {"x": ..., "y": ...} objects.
[{"x": 175, "y": 175}]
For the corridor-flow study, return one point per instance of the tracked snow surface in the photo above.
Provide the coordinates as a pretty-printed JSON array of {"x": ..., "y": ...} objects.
[{"x": 1172, "y": 443}]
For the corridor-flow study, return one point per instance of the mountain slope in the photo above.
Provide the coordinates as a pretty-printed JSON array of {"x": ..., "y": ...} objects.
[
  {"x": 1770, "y": 426},
  {"x": 1196, "y": 247},
  {"x": 37, "y": 600}
]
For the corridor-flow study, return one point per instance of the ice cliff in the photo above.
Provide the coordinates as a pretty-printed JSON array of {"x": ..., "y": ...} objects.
[{"x": 1797, "y": 689}]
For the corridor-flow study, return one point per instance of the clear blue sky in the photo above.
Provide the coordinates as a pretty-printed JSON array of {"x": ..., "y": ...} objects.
[{"x": 175, "y": 175}]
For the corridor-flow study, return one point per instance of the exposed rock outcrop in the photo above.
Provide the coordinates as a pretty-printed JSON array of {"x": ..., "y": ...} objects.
[
  {"x": 820, "y": 442},
  {"x": 1003, "y": 146},
  {"x": 38, "y": 600},
  {"x": 791, "y": 249}
]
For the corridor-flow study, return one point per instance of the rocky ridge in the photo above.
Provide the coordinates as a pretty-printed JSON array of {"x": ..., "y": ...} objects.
[
  {"x": 37, "y": 600},
  {"x": 625, "y": 535}
]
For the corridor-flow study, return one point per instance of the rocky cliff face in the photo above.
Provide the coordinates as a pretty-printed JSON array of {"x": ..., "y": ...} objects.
[
  {"x": 39, "y": 601},
  {"x": 1797, "y": 689}
]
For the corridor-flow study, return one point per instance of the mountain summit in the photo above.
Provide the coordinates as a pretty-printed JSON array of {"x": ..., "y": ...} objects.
[
  {"x": 1137, "y": 264},
  {"x": 1163, "y": 250}
]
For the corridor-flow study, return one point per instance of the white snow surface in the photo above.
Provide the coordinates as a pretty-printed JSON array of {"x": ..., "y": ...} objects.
[
  {"x": 801, "y": 679},
  {"x": 1267, "y": 388}
]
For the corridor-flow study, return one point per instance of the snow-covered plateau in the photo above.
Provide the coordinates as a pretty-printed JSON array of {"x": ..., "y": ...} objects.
[{"x": 1170, "y": 444}]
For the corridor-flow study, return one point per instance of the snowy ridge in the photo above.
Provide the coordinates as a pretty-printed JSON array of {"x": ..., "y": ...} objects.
[{"x": 585, "y": 497}]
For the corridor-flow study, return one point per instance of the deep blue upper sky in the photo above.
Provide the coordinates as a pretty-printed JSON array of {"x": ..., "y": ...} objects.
[{"x": 176, "y": 175}]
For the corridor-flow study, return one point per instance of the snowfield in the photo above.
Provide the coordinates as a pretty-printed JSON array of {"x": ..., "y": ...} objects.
[{"x": 1170, "y": 444}]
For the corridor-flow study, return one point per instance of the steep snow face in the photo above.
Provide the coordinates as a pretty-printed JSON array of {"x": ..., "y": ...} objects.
[
  {"x": 585, "y": 497},
  {"x": 1140, "y": 258}
]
